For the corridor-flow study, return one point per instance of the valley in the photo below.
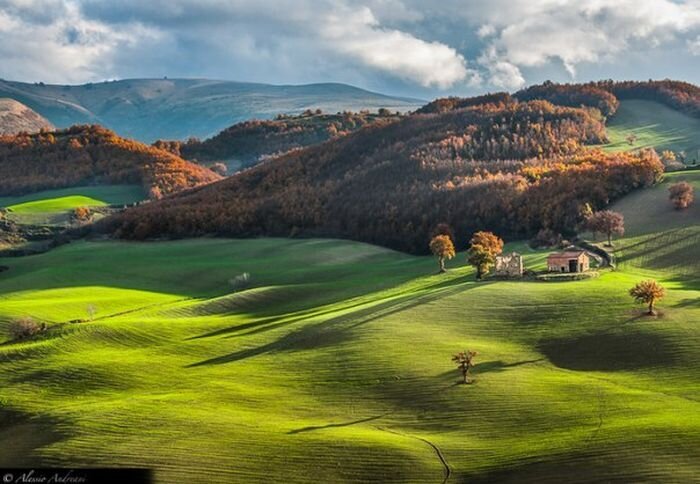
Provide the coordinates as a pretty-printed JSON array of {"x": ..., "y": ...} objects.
[{"x": 285, "y": 323}]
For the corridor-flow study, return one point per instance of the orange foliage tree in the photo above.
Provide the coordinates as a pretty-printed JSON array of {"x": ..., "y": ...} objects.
[
  {"x": 442, "y": 247},
  {"x": 484, "y": 247},
  {"x": 648, "y": 292}
]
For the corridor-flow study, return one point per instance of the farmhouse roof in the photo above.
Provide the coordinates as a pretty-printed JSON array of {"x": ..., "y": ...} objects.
[{"x": 566, "y": 255}]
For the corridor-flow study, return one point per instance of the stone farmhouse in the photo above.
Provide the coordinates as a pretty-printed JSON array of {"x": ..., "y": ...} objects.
[
  {"x": 509, "y": 265},
  {"x": 568, "y": 261}
]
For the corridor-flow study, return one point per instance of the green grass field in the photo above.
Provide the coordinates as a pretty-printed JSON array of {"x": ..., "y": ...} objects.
[
  {"x": 334, "y": 366},
  {"x": 655, "y": 126},
  {"x": 54, "y": 206}
]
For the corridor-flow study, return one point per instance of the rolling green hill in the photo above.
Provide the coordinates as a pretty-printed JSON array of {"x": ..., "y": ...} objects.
[
  {"x": 334, "y": 365},
  {"x": 150, "y": 109},
  {"x": 655, "y": 126},
  {"x": 54, "y": 206}
]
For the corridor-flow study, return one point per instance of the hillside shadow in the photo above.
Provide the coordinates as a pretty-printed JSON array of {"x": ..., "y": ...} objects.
[
  {"x": 610, "y": 351},
  {"x": 23, "y": 435},
  {"x": 333, "y": 331}
]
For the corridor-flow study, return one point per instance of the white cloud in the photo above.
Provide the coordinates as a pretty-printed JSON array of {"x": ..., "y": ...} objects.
[
  {"x": 358, "y": 34},
  {"x": 533, "y": 33},
  {"x": 501, "y": 73}
]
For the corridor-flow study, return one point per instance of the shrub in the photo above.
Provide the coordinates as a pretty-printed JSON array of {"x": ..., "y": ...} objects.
[{"x": 25, "y": 328}]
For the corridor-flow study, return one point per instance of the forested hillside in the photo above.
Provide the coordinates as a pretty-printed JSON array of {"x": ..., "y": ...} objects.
[
  {"x": 511, "y": 167},
  {"x": 91, "y": 155},
  {"x": 245, "y": 143}
]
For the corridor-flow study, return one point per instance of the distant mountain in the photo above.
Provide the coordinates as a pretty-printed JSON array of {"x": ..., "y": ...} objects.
[
  {"x": 16, "y": 117},
  {"x": 150, "y": 109},
  {"x": 92, "y": 155}
]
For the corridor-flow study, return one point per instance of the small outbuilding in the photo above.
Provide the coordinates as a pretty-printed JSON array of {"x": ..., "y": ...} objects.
[
  {"x": 509, "y": 265},
  {"x": 568, "y": 261}
]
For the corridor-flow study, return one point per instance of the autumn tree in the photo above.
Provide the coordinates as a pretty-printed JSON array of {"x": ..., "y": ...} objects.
[
  {"x": 681, "y": 195},
  {"x": 607, "y": 222},
  {"x": 648, "y": 292},
  {"x": 465, "y": 362},
  {"x": 484, "y": 247},
  {"x": 442, "y": 247},
  {"x": 82, "y": 214}
]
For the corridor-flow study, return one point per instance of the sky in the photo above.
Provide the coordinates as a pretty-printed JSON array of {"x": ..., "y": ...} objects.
[{"x": 413, "y": 48}]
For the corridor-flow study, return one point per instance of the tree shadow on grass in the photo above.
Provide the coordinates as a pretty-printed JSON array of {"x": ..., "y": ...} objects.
[
  {"x": 495, "y": 366},
  {"x": 333, "y": 331},
  {"x": 336, "y": 425},
  {"x": 688, "y": 303}
]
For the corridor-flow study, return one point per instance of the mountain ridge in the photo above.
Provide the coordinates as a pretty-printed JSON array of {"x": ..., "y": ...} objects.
[
  {"x": 151, "y": 109},
  {"x": 16, "y": 117}
]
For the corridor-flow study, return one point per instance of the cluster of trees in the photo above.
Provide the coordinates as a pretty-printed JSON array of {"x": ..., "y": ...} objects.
[
  {"x": 682, "y": 96},
  {"x": 385, "y": 184},
  {"x": 91, "y": 155},
  {"x": 605, "y": 95},
  {"x": 573, "y": 95},
  {"x": 250, "y": 141},
  {"x": 536, "y": 129},
  {"x": 443, "y": 105},
  {"x": 483, "y": 249},
  {"x": 681, "y": 195}
]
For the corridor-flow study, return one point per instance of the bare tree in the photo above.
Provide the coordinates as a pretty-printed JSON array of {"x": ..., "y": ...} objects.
[
  {"x": 465, "y": 362},
  {"x": 91, "y": 310}
]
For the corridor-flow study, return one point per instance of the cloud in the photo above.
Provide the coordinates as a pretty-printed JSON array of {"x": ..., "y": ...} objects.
[
  {"x": 407, "y": 46},
  {"x": 359, "y": 35},
  {"x": 573, "y": 32}
]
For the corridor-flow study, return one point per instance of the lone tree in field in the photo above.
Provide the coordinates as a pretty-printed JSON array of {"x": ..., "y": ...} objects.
[
  {"x": 442, "y": 247},
  {"x": 681, "y": 195},
  {"x": 607, "y": 222},
  {"x": 648, "y": 292},
  {"x": 465, "y": 362},
  {"x": 91, "y": 310},
  {"x": 484, "y": 247}
]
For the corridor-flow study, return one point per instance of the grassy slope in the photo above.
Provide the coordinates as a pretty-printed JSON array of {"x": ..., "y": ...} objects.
[
  {"x": 336, "y": 366},
  {"x": 52, "y": 206},
  {"x": 655, "y": 126}
]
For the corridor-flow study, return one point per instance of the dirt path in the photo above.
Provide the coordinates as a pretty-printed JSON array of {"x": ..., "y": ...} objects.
[{"x": 437, "y": 450}]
